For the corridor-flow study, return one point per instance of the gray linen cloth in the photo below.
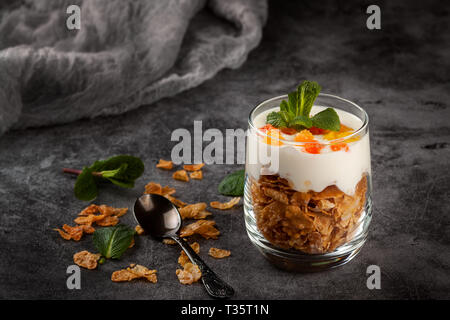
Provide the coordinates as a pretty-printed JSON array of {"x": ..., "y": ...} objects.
[{"x": 127, "y": 53}]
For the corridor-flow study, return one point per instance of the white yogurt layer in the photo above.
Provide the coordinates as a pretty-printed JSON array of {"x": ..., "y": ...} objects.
[{"x": 308, "y": 171}]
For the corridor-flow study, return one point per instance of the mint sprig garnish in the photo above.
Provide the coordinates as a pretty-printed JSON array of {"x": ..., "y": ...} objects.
[
  {"x": 120, "y": 170},
  {"x": 294, "y": 113},
  {"x": 112, "y": 242}
]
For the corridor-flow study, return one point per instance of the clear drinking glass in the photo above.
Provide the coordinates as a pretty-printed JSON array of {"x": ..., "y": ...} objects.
[{"x": 307, "y": 210}]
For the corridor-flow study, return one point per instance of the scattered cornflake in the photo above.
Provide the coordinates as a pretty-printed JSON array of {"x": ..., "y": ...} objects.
[
  {"x": 190, "y": 274},
  {"x": 139, "y": 230},
  {"x": 183, "y": 259},
  {"x": 108, "y": 216},
  {"x": 88, "y": 229},
  {"x": 219, "y": 253},
  {"x": 71, "y": 233},
  {"x": 197, "y": 175},
  {"x": 169, "y": 241},
  {"x": 86, "y": 259},
  {"x": 89, "y": 219},
  {"x": 156, "y": 188},
  {"x": 176, "y": 201},
  {"x": 205, "y": 228},
  {"x": 227, "y": 205},
  {"x": 165, "y": 164},
  {"x": 108, "y": 221},
  {"x": 134, "y": 271},
  {"x": 123, "y": 275},
  {"x": 132, "y": 243},
  {"x": 194, "y": 211},
  {"x": 180, "y": 175},
  {"x": 193, "y": 167},
  {"x": 110, "y": 211},
  {"x": 92, "y": 209},
  {"x": 63, "y": 234}
]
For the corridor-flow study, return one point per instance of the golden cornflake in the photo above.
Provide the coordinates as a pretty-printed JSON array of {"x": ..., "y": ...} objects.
[
  {"x": 227, "y": 205},
  {"x": 110, "y": 211},
  {"x": 205, "y": 228},
  {"x": 164, "y": 164},
  {"x": 169, "y": 241},
  {"x": 134, "y": 271},
  {"x": 123, "y": 275},
  {"x": 197, "y": 175},
  {"x": 108, "y": 221},
  {"x": 108, "y": 216},
  {"x": 190, "y": 274},
  {"x": 86, "y": 259},
  {"x": 194, "y": 211},
  {"x": 180, "y": 175},
  {"x": 219, "y": 253},
  {"x": 89, "y": 219},
  {"x": 183, "y": 259},
  {"x": 71, "y": 233},
  {"x": 193, "y": 167},
  {"x": 92, "y": 209},
  {"x": 176, "y": 201},
  {"x": 139, "y": 230},
  {"x": 156, "y": 188}
]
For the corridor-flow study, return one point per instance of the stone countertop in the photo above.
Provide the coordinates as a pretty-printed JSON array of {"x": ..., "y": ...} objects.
[{"x": 399, "y": 74}]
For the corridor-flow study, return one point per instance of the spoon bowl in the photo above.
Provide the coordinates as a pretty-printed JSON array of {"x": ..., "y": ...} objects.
[
  {"x": 157, "y": 215},
  {"x": 161, "y": 219}
]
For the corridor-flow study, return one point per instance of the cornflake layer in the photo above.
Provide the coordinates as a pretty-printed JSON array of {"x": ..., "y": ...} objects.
[{"x": 312, "y": 222}]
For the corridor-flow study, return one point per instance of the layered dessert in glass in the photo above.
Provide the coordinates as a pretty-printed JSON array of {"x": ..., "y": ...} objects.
[{"x": 307, "y": 197}]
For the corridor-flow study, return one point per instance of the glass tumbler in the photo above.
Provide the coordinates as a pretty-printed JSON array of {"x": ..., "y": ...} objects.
[{"x": 308, "y": 205}]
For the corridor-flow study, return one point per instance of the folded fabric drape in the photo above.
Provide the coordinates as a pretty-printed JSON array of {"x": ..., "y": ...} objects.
[{"x": 127, "y": 53}]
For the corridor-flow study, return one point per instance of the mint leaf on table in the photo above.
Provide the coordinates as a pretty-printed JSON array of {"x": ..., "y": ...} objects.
[
  {"x": 86, "y": 187},
  {"x": 327, "y": 119},
  {"x": 233, "y": 184},
  {"x": 295, "y": 112},
  {"x": 120, "y": 170},
  {"x": 112, "y": 242}
]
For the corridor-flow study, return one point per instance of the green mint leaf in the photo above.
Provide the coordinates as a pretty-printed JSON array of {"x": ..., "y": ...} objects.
[
  {"x": 233, "y": 184},
  {"x": 112, "y": 242},
  {"x": 134, "y": 169},
  {"x": 287, "y": 117},
  {"x": 293, "y": 103},
  {"x": 275, "y": 119},
  {"x": 302, "y": 121},
  {"x": 307, "y": 92},
  {"x": 85, "y": 186},
  {"x": 119, "y": 176},
  {"x": 327, "y": 119},
  {"x": 120, "y": 170},
  {"x": 284, "y": 106}
]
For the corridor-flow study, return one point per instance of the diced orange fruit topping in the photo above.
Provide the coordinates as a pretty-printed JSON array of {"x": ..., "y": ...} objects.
[
  {"x": 289, "y": 131},
  {"x": 273, "y": 137},
  {"x": 315, "y": 130},
  {"x": 304, "y": 136},
  {"x": 313, "y": 148},
  {"x": 339, "y": 146},
  {"x": 267, "y": 127},
  {"x": 343, "y": 132}
]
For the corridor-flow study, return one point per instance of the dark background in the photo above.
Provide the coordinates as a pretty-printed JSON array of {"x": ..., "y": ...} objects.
[{"x": 399, "y": 74}]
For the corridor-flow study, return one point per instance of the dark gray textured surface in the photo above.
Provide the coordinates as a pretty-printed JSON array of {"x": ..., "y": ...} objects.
[{"x": 400, "y": 75}]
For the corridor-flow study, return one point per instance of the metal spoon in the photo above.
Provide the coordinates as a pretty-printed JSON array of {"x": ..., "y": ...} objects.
[{"x": 161, "y": 219}]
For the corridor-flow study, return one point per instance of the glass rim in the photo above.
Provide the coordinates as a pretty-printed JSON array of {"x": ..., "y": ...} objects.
[{"x": 285, "y": 96}]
